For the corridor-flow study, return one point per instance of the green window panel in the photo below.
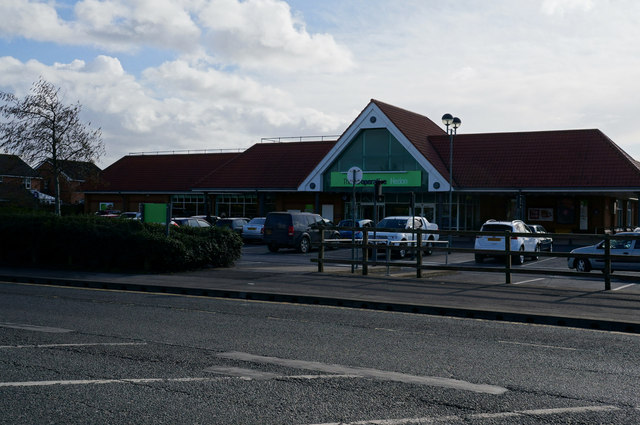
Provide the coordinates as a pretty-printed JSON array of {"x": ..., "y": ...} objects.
[{"x": 375, "y": 150}]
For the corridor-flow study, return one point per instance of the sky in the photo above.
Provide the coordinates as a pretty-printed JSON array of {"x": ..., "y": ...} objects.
[{"x": 217, "y": 75}]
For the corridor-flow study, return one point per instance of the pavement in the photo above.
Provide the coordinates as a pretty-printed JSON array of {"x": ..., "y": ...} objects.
[{"x": 436, "y": 293}]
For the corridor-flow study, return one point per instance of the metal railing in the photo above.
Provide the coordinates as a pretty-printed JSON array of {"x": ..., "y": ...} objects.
[{"x": 366, "y": 246}]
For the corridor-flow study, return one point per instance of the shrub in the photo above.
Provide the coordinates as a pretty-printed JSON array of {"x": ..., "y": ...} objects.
[{"x": 107, "y": 244}]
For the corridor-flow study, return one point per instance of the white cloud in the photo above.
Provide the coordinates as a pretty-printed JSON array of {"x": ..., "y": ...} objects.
[
  {"x": 561, "y": 7},
  {"x": 33, "y": 20},
  {"x": 255, "y": 34},
  {"x": 261, "y": 34}
]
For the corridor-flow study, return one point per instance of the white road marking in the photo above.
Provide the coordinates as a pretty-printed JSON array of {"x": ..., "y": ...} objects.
[
  {"x": 367, "y": 373},
  {"x": 625, "y": 286},
  {"x": 34, "y": 328},
  {"x": 88, "y": 344},
  {"x": 464, "y": 418},
  {"x": 539, "y": 345},
  {"x": 530, "y": 280},
  {"x": 101, "y": 381},
  {"x": 161, "y": 380}
]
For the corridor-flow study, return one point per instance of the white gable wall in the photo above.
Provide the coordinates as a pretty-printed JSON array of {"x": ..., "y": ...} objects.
[{"x": 372, "y": 117}]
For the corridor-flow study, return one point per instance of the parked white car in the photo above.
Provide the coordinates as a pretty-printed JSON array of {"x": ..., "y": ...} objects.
[
  {"x": 630, "y": 248},
  {"x": 402, "y": 237},
  {"x": 520, "y": 245}
]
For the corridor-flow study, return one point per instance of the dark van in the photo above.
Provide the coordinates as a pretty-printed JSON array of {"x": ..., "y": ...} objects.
[{"x": 291, "y": 230}]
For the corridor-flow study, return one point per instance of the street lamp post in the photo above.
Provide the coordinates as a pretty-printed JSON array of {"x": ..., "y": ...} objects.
[{"x": 454, "y": 122}]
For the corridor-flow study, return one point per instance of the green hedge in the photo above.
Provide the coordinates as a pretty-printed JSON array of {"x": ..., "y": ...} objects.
[{"x": 108, "y": 244}]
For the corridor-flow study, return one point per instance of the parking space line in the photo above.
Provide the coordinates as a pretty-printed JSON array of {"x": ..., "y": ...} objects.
[
  {"x": 624, "y": 286},
  {"x": 528, "y": 281}
]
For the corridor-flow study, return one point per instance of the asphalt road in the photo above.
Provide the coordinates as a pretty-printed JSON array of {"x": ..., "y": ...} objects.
[{"x": 92, "y": 356}]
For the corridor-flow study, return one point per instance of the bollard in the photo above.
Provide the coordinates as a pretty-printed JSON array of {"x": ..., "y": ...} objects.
[
  {"x": 507, "y": 260},
  {"x": 607, "y": 263},
  {"x": 419, "y": 256},
  {"x": 365, "y": 253},
  {"x": 321, "y": 253}
]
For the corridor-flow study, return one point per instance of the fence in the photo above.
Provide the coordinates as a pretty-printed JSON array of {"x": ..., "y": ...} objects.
[{"x": 367, "y": 245}]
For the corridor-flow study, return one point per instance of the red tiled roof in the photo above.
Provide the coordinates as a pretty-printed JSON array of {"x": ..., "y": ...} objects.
[
  {"x": 160, "y": 173},
  {"x": 268, "y": 166},
  {"x": 417, "y": 129},
  {"x": 544, "y": 159}
]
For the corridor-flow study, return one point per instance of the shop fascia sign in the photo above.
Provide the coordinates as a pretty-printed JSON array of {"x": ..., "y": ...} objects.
[{"x": 393, "y": 179}]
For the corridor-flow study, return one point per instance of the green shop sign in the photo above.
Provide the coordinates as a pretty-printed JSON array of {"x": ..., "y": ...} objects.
[{"x": 398, "y": 179}]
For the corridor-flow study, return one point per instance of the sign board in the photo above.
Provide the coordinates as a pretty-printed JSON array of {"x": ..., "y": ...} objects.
[
  {"x": 354, "y": 175},
  {"x": 397, "y": 179},
  {"x": 154, "y": 213}
]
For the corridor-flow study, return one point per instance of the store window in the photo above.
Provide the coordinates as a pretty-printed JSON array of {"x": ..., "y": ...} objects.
[
  {"x": 237, "y": 205},
  {"x": 187, "y": 205},
  {"x": 376, "y": 150}
]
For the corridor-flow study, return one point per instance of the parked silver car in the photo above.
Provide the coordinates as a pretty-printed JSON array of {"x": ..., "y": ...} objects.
[
  {"x": 545, "y": 241},
  {"x": 629, "y": 248},
  {"x": 254, "y": 229}
]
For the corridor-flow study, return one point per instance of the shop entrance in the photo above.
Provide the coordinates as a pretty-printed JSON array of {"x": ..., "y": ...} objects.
[
  {"x": 427, "y": 211},
  {"x": 367, "y": 210}
]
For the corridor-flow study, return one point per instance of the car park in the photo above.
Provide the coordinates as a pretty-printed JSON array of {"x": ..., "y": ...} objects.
[
  {"x": 297, "y": 230},
  {"x": 359, "y": 224},
  {"x": 545, "y": 241},
  {"x": 254, "y": 229},
  {"x": 190, "y": 222},
  {"x": 402, "y": 237},
  {"x": 234, "y": 223},
  {"x": 522, "y": 244},
  {"x": 628, "y": 247}
]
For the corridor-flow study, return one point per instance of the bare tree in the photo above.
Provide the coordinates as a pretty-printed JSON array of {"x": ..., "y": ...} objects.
[{"x": 41, "y": 127}]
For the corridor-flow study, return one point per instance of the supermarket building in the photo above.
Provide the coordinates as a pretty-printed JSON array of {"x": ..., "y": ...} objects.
[{"x": 566, "y": 180}]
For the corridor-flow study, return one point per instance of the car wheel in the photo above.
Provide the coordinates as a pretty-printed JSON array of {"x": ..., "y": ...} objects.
[
  {"x": 519, "y": 259},
  {"x": 535, "y": 257},
  {"x": 402, "y": 253},
  {"x": 428, "y": 250},
  {"x": 479, "y": 258},
  {"x": 305, "y": 245},
  {"x": 583, "y": 265},
  {"x": 272, "y": 248}
]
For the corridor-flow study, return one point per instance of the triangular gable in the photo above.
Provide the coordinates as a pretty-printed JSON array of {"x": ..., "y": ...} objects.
[{"x": 410, "y": 129}]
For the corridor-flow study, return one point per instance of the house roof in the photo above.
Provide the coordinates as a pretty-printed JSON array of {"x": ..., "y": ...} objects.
[
  {"x": 75, "y": 170},
  {"x": 543, "y": 159},
  {"x": 14, "y": 166},
  {"x": 160, "y": 173},
  {"x": 268, "y": 166}
]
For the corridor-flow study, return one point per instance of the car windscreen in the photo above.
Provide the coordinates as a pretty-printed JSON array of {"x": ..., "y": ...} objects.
[
  {"x": 393, "y": 223},
  {"x": 496, "y": 228},
  {"x": 257, "y": 221},
  {"x": 346, "y": 223}
]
